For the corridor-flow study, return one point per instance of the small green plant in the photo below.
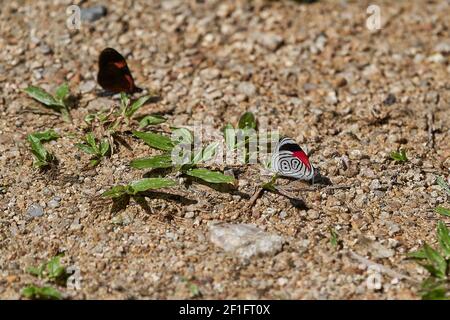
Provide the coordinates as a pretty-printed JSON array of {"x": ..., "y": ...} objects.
[
  {"x": 441, "y": 210},
  {"x": 110, "y": 126},
  {"x": 122, "y": 194},
  {"x": 441, "y": 182},
  {"x": 238, "y": 139},
  {"x": 193, "y": 288},
  {"x": 139, "y": 186},
  {"x": 399, "y": 156},
  {"x": 437, "y": 263},
  {"x": 334, "y": 239},
  {"x": 56, "y": 102},
  {"x": 51, "y": 271},
  {"x": 190, "y": 162},
  {"x": 97, "y": 149},
  {"x": 41, "y": 293},
  {"x": 42, "y": 158}
]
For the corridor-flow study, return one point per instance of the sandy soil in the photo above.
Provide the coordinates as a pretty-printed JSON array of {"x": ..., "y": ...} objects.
[{"x": 312, "y": 70}]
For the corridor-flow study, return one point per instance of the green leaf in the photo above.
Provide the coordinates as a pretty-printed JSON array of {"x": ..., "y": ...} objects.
[
  {"x": 247, "y": 121},
  {"x": 36, "y": 271},
  {"x": 115, "y": 192},
  {"x": 160, "y": 161},
  {"x": 42, "y": 293},
  {"x": 154, "y": 140},
  {"x": 210, "y": 151},
  {"x": 195, "y": 291},
  {"x": 438, "y": 266},
  {"x": 441, "y": 182},
  {"x": 151, "y": 120},
  {"x": 419, "y": 254},
  {"x": 45, "y": 135},
  {"x": 104, "y": 147},
  {"x": 198, "y": 154},
  {"x": 94, "y": 162},
  {"x": 151, "y": 184},
  {"x": 89, "y": 118},
  {"x": 42, "y": 96},
  {"x": 443, "y": 211},
  {"x": 85, "y": 148},
  {"x": 333, "y": 237},
  {"x": 444, "y": 238},
  {"x": 41, "y": 156},
  {"x": 182, "y": 135},
  {"x": 136, "y": 105},
  {"x": 399, "y": 156},
  {"x": 230, "y": 136},
  {"x": 124, "y": 101},
  {"x": 61, "y": 92},
  {"x": 55, "y": 270},
  {"x": 90, "y": 139},
  {"x": 433, "y": 289},
  {"x": 210, "y": 176}
]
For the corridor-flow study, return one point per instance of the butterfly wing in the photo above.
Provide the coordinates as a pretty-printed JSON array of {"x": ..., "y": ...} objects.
[
  {"x": 290, "y": 160},
  {"x": 113, "y": 74}
]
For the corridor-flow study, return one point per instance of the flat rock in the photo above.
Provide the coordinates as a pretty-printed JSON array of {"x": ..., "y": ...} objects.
[
  {"x": 245, "y": 240},
  {"x": 92, "y": 14},
  {"x": 35, "y": 210}
]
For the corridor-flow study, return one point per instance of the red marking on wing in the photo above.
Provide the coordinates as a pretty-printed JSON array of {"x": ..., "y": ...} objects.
[
  {"x": 130, "y": 82},
  {"x": 120, "y": 64},
  {"x": 303, "y": 158}
]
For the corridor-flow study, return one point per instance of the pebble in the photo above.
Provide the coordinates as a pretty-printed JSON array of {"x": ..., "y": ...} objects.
[
  {"x": 87, "y": 86},
  {"x": 189, "y": 215},
  {"x": 54, "y": 203},
  {"x": 247, "y": 88},
  {"x": 245, "y": 240},
  {"x": 313, "y": 214},
  {"x": 375, "y": 184},
  {"x": 283, "y": 214},
  {"x": 92, "y": 14},
  {"x": 270, "y": 41},
  {"x": 443, "y": 47},
  {"x": 35, "y": 210},
  {"x": 437, "y": 58},
  {"x": 45, "y": 49},
  {"x": 390, "y": 100}
]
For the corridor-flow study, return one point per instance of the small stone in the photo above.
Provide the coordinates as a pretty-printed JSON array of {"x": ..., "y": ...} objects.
[
  {"x": 332, "y": 97},
  {"x": 245, "y": 240},
  {"x": 189, "y": 215},
  {"x": 35, "y": 210},
  {"x": 282, "y": 281},
  {"x": 247, "y": 88},
  {"x": 390, "y": 100},
  {"x": 93, "y": 13},
  {"x": 87, "y": 86},
  {"x": 443, "y": 47},
  {"x": 210, "y": 73},
  {"x": 313, "y": 214},
  {"x": 45, "y": 49},
  {"x": 339, "y": 82},
  {"x": 282, "y": 214},
  {"x": 270, "y": 41},
  {"x": 436, "y": 58},
  {"x": 355, "y": 154},
  {"x": 375, "y": 184},
  {"x": 54, "y": 203}
]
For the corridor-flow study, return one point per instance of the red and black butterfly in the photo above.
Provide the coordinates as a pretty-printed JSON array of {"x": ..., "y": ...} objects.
[
  {"x": 113, "y": 74},
  {"x": 290, "y": 160}
]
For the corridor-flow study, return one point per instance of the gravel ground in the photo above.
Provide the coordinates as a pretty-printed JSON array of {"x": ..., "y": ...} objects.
[{"x": 312, "y": 70}]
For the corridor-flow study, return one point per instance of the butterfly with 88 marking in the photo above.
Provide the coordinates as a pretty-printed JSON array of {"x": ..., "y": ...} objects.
[{"x": 289, "y": 160}]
